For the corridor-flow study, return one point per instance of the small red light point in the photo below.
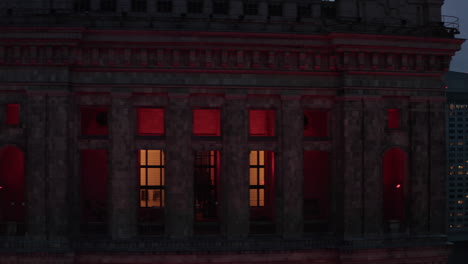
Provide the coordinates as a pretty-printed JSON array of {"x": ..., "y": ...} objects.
[
  {"x": 446, "y": 87},
  {"x": 398, "y": 186}
]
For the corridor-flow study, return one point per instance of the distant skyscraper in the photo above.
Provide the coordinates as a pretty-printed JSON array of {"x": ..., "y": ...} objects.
[{"x": 457, "y": 154}]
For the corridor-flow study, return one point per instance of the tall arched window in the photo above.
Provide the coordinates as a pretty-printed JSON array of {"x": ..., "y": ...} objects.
[
  {"x": 12, "y": 195},
  {"x": 395, "y": 168}
]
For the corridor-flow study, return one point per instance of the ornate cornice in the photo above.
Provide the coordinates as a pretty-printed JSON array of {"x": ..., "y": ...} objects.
[{"x": 230, "y": 52}]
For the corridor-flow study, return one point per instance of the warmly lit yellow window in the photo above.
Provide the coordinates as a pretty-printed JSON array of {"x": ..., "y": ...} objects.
[
  {"x": 257, "y": 178},
  {"x": 151, "y": 178}
]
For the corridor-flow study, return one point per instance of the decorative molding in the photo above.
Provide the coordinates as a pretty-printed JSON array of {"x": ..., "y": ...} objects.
[{"x": 221, "y": 58}]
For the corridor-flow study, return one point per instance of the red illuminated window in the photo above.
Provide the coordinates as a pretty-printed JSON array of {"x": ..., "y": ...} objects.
[
  {"x": 262, "y": 123},
  {"x": 261, "y": 184},
  {"x": 94, "y": 184},
  {"x": 206, "y": 122},
  {"x": 12, "y": 188},
  {"x": 393, "y": 116},
  {"x": 12, "y": 114},
  {"x": 94, "y": 120},
  {"x": 315, "y": 123},
  {"x": 150, "y": 121},
  {"x": 316, "y": 186},
  {"x": 394, "y": 175}
]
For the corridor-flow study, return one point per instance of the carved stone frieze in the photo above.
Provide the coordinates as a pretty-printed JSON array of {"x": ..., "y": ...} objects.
[{"x": 279, "y": 58}]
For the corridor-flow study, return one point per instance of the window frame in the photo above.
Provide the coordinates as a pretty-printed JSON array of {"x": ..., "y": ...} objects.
[{"x": 143, "y": 189}]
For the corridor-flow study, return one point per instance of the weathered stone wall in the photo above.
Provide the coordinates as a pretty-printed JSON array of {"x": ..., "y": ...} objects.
[{"x": 233, "y": 73}]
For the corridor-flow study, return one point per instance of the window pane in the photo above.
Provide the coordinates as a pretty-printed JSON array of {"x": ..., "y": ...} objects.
[
  {"x": 212, "y": 154},
  {"x": 393, "y": 116},
  {"x": 162, "y": 176},
  {"x": 206, "y": 122},
  {"x": 154, "y": 157},
  {"x": 143, "y": 176},
  {"x": 212, "y": 176},
  {"x": 261, "y": 197},
  {"x": 12, "y": 114},
  {"x": 154, "y": 177},
  {"x": 315, "y": 123},
  {"x": 261, "y": 155},
  {"x": 162, "y": 198},
  {"x": 262, "y": 123},
  {"x": 253, "y": 176},
  {"x": 94, "y": 120},
  {"x": 262, "y": 176},
  {"x": 142, "y": 157},
  {"x": 143, "y": 198},
  {"x": 154, "y": 198},
  {"x": 253, "y": 197},
  {"x": 150, "y": 121},
  {"x": 253, "y": 157}
]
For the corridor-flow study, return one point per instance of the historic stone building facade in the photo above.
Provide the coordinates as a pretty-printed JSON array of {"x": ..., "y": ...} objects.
[{"x": 223, "y": 131}]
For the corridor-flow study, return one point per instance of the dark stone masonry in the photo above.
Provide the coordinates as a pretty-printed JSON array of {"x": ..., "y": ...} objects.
[{"x": 319, "y": 136}]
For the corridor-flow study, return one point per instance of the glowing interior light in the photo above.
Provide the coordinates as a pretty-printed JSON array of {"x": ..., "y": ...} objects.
[
  {"x": 398, "y": 186},
  {"x": 1, "y": 187}
]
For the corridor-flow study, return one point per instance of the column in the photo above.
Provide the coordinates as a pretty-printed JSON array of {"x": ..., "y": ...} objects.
[
  {"x": 374, "y": 121},
  {"x": 235, "y": 168},
  {"x": 352, "y": 167},
  {"x": 123, "y": 174},
  {"x": 419, "y": 168},
  {"x": 35, "y": 168},
  {"x": 58, "y": 165},
  {"x": 179, "y": 212},
  {"x": 438, "y": 174},
  {"x": 292, "y": 176}
]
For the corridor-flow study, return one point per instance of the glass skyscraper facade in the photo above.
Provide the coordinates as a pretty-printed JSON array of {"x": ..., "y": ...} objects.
[{"x": 457, "y": 154}]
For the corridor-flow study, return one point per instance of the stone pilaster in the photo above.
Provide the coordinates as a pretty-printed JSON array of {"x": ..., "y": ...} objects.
[
  {"x": 58, "y": 165},
  {"x": 292, "y": 176},
  {"x": 122, "y": 177},
  {"x": 352, "y": 167},
  {"x": 36, "y": 160},
  {"x": 179, "y": 212},
  {"x": 74, "y": 176},
  {"x": 437, "y": 164},
  {"x": 418, "y": 196},
  {"x": 235, "y": 171},
  {"x": 374, "y": 121}
]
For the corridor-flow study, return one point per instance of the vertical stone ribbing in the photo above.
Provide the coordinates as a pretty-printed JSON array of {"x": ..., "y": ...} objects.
[
  {"x": 438, "y": 173},
  {"x": 36, "y": 161},
  {"x": 374, "y": 131},
  {"x": 122, "y": 178},
  {"x": 292, "y": 119},
  {"x": 179, "y": 214},
  {"x": 234, "y": 179},
  {"x": 352, "y": 167},
  {"x": 57, "y": 150},
  {"x": 418, "y": 198},
  {"x": 74, "y": 176}
]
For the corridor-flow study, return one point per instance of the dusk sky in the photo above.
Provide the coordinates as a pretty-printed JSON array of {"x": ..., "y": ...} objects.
[{"x": 459, "y": 9}]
